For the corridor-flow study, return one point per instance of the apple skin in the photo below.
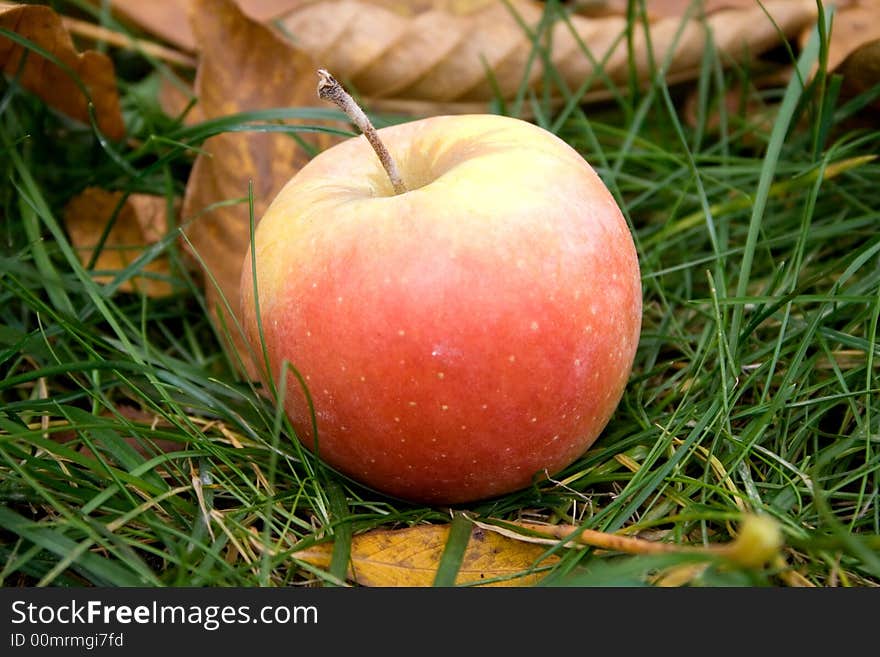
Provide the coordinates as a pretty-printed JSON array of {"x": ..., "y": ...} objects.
[{"x": 461, "y": 339}]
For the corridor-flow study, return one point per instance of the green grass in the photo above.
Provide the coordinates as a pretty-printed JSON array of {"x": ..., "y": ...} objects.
[{"x": 755, "y": 386}]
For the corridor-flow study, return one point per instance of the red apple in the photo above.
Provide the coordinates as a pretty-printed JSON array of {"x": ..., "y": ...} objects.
[{"x": 462, "y": 338}]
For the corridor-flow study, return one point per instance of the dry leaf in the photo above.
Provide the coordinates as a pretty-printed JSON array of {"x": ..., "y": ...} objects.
[
  {"x": 853, "y": 26},
  {"x": 169, "y": 19},
  {"x": 432, "y": 56},
  {"x": 243, "y": 66},
  {"x": 97, "y": 33},
  {"x": 658, "y": 9},
  {"x": 52, "y": 83},
  {"x": 854, "y": 46},
  {"x": 861, "y": 70},
  {"x": 441, "y": 54},
  {"x": 175, "y": 98},
  {"x": 410, "y": 557},
  {"x": 141, "y": 221}
]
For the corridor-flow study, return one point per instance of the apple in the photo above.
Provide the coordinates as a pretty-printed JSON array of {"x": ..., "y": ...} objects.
[{"x": 462, "y": 338}]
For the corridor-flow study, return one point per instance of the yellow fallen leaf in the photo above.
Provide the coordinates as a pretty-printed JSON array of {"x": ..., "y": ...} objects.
[
  {"x": 410, "y": 557},
  {"x": 141, "y": 222},
  {"x": 52, "y": 83}
]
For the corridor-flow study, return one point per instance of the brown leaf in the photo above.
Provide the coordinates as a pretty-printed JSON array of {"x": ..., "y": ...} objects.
[
  {"x": 141, "y": 221},
  {"x": 861, "y": 70},
  {"x": 50, "y": 82},
  {"x": 410, "y": 557},
  {"x": 853, "y": 46},
  {"x": 100, "y": 34},
  {"x": 440, "y": 55},
  {"x": 431, "y": 56},
  {"x": 176, "y": 97},
  {"x": 169, "y": 19},
  {"x": 852, "y": 27},
  {"x": 243, "y": 66},
  {"x": 658, "y": 9}
]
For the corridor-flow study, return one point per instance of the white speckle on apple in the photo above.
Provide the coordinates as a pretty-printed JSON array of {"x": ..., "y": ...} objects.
[
  {"x": 402, "y": 361},
  {"x": 401, "y": 332},
  {"x": 464, "y": 427},
  {"x": 534, "y": 419},
  {"x": 412, "y": 403},
  {"x": 444, "y": 407},
  {"x": 363, "y": 378},
  {"x": 511, "y": 358},
  {"x": 308, "y": 334},
  {"x": 445, "y": 351},
  {"x": 588, "y": 328},
  {"x": 397, "y": 419},
  {"x": 442, "y": 455},
  {"x": 534, "y": 326},
  {"x": 314, "y": 284},
  {"x": 433, "y": 440},
  {"x": 440, "y": 375},
  {"x": 555, "y": 438},
  {"x": 326, "y": 392},
  {"x": 338, "y": 299},
  {"x": 593, "y": 309},
  {"x": 484, "y": 406},
  {"x": 577, "y": 362}
]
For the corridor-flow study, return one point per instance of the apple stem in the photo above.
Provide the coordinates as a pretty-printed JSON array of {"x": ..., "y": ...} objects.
[{"x": 330, "y": 89}]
